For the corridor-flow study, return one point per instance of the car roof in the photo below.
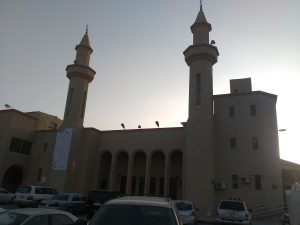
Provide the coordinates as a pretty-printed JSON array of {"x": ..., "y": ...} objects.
[
  {"x": 69, "y": 193},
  {"x": 37, "y": 211},
  {"x": 36, "y": 186},
  {"x": 142, "y": 200},
  {"x": 184, "y": 201},
  {"x": 232, "y": 201}
]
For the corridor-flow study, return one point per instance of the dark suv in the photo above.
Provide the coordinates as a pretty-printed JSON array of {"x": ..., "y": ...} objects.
[{"x": 96, "y": 198}]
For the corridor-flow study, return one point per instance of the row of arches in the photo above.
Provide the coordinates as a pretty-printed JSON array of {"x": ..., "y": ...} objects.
[{"x": 154, "y": 174}]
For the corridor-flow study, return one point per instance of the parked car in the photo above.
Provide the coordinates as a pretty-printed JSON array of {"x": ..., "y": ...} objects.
[
  {"x": 136, "y": 210},
  {"x": 96, "y": 198},
  {"x": 32, "y": 216},
  {"x": 233, "y": 212},
  {"x": 187, "y": 212},
  {"x": 31, "y": 195},
  {"x": 285, "y": 219},
  {"x": 2, "y": 210},
  {"x": 72, "y": 202},
  {"x": 6, "y": 196}
]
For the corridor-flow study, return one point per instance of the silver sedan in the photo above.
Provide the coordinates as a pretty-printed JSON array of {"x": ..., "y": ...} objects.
[
  {"x": 6, "y": 196},
  {"x": 31, "y": 216}
]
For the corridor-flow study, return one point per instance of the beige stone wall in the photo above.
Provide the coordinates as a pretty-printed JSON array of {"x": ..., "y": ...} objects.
[
  {"x": 14, "y": 124},
  {"x": 244, "y": 160},
  {"x": 41, "y": 158}
]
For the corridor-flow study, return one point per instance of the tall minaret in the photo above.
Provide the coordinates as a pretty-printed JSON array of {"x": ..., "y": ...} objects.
[
  {"x": 80, "y": 75},
  {"x": 199, "y": 149}
]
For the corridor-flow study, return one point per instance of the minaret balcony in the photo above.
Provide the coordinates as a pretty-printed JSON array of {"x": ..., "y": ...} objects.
[
  {"x": 81, "y": 71},
  {"x": 201, "y": 52}
]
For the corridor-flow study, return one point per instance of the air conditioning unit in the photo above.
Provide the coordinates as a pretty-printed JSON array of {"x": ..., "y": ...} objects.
[
  {"x": 220, "y": 185},
  {"x": 245, "y": 180}
]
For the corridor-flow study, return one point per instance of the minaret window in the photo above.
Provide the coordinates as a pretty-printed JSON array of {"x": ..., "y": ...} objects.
[
  {"x": 198, "y": 89},
  {"x": 70, "y": 96},
  {"x": 83, "y": 105}
]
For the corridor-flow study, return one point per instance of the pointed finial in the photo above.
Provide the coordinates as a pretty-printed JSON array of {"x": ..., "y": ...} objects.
[
  {"x": 200, "y": 5},
  {"x": 86, "y": 29}
]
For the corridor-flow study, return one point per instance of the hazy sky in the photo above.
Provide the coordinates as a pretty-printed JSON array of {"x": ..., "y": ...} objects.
[{"x": 141, "y": 73}]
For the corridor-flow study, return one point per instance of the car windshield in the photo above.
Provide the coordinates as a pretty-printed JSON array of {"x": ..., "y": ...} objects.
[
  {"x": 24, "y": 190},
  {"x": 9, "y": 218},
  {"x": 239, "y": 206},
  {"x": 184, "y": 206},
  {"x": 134, "y": 215},
  {"x": 60, "y": 197}
]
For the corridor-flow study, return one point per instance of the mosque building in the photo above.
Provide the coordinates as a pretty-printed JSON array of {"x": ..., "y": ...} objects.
[{"x": 228, "y": 147}]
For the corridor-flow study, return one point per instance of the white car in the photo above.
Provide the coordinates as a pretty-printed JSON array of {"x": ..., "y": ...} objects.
[
  {"x": 6, "y": 196},
  {"x": 32, "y": 216},
  {"x": 187, "y": 211},
  {"x": 31, "y": 195},
  {"x": 233, "y": 212},
  {"x": 136, "y": 210},
  {"x": 71, "y": 202}
]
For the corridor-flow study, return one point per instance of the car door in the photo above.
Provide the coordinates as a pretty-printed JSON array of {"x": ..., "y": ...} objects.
[
  {"x": 60, "y": 219},
  {"x": 38, "y": 220}
]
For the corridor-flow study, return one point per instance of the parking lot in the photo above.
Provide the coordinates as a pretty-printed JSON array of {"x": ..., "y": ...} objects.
[{"x": 202, "y": 220}]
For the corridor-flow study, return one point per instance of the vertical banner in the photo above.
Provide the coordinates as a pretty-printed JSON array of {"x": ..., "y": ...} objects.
[{"x": 62, "y": 149}]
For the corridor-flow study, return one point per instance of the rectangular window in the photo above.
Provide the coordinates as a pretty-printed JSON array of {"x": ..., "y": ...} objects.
[
  {"x": 45, "y": 147},
  {"x": 253, "y": 110},
  {"x": 258, "y": 182},
  {"x": 83, "y": 105},
  {"x": 198, "y": 89},
  {"x": 152, "y": 186},
  {"x": 233, "y": 143},
  {"x": 255, "y": 144},
  {"x": 69, "y": 101},
  {"x": 39, "y": 175},
  {"x": 235, "y": 181},
  {"x": 231, "y": 112},
  {"x": 20, "y": 146}
]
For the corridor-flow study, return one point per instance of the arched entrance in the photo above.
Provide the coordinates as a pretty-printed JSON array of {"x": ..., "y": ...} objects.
[
  {"x": 157, "y": 174},
  {"x": 13, "y": 177},
  {"x": 121, "y": 172},
  {"x": 138, "y": 174},
  {"x": 176, "y": 175},
  {"x": 104, "y": 172}
]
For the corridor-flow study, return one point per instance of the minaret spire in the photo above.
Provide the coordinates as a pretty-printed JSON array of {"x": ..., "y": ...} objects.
[
  {"x": 199, "y": 142},
  {"x": 80, "y": 75},
  {"x": 86, "y": 29}
]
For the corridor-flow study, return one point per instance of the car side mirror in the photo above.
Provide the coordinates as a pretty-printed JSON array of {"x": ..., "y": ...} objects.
[{"x": 80, "y": 222}]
